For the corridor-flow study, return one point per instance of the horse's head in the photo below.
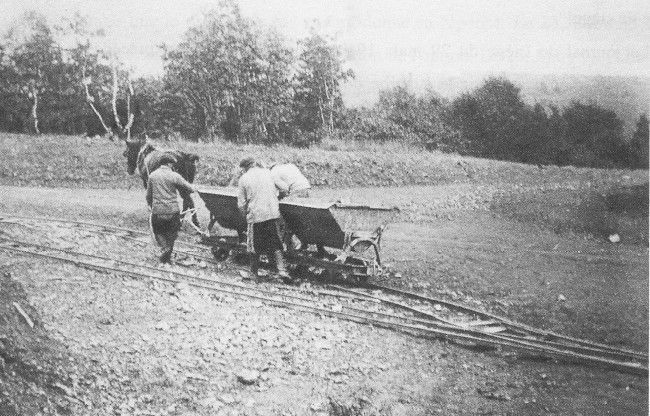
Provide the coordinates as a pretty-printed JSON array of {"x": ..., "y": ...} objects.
[{"x": 186, "y": 165}]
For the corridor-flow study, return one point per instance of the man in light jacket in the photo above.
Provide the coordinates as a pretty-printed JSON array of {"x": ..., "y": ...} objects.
[
  {"x": 162, "y": 186},
  {"x": 289, "y": 180},
  {"x": 258, "y": 202}
]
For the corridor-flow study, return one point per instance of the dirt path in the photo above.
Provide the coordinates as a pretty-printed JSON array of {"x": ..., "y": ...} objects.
[{"x": 167, "y": 350}]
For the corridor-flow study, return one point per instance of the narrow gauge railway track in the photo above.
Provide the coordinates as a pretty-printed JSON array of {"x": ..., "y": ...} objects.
[
  {"x": 417, "y": 300},
  {"x": 136, "y": 236},
  {"x": 139, "y": 237},
  {"x": 496, "y": 324},
  {"x": 432, "y": 326},
  {"x": 516, "y": 332}
]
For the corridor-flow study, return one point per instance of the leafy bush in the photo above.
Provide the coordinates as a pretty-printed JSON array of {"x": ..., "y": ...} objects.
[
  {"x": 493, "y": 119},
  {"x": 424, "y": 119},
  {"x": 378, "y": 129},
  {"x": 304, "y": 140},
  {"x": 595, "y": 136}
]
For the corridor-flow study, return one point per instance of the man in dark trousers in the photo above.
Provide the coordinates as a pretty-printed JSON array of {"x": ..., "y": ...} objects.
[
  {"x": 162, "y": 188},
  {"x": 258, "y": 202}
]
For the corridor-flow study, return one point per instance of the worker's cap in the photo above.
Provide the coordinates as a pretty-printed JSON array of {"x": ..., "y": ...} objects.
[
  {"x": 165, "y": 159},
  {"x": 246, "y": 162}
]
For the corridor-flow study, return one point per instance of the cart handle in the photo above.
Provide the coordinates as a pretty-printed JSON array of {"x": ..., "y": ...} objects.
[{"x": 188, "y": 214}]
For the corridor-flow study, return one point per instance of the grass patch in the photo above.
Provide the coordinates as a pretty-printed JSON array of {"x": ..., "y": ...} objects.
[
  {"x": 74, "y": 161},
  {"x": 618, "y": 209}
]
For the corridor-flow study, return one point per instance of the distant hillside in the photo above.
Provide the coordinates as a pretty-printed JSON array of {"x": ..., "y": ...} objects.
[{"x": 627, "y": 96}]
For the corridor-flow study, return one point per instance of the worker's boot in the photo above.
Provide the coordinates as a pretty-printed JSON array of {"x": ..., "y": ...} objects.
[
  {"x": 166, "y": 254},
  {"x": 254, "y": 262},
  {"x": 282, "y": 266}
]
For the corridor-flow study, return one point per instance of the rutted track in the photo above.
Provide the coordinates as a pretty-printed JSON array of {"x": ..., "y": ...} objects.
[{"x": 476, "y": 326}]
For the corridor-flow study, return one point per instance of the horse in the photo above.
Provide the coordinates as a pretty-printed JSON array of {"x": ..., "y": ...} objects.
[{"x": 143, "y": 155}]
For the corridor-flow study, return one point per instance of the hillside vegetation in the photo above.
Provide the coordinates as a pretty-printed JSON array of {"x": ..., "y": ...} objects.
[{"x": 74, "y": 161}]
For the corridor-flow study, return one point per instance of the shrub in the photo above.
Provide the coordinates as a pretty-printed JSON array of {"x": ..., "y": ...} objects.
[
  {"x": 378, "y": 129},
  {"x": 304, "y": 140}
]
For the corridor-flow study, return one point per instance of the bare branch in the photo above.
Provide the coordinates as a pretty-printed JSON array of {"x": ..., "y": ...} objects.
[
  {"x": 126, "y": 128},
  {"x": 86, "y": 81}
]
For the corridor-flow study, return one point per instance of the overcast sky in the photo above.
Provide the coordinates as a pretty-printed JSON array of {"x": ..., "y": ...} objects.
[{"x": 398, "y": 40}]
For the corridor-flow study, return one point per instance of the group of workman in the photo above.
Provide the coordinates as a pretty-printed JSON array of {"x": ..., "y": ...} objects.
[{"x": 260, "y": 189}]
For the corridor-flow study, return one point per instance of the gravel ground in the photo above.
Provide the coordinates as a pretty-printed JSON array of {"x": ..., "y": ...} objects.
[{"x": 117, "y": 345}]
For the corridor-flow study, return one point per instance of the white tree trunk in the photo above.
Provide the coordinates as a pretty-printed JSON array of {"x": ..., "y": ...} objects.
[
  {"x": 35, "y": 109},
  {"x": 85, "y": 81},
  {"x": 320, "y": 111},
  {"x": 330, "y": 104},
  {"x": 114, "y": 100},
  {"x": 128, "y": 111}
]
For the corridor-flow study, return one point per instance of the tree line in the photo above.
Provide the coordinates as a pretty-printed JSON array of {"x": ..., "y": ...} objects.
[
  {"x": 494, "y": 121},
  {"x": 229, "y": 78},
  {"x": 226, "y": 78}
]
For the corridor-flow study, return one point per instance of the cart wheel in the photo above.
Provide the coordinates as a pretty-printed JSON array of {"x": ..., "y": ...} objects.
[
  {"x": 357, "y": 275},
  {"x": 345, "y": 277},
  {"x": 361, "y": 280},
  {"x": 243, "y": 258},
  {"x": 301, "y": 270},
  {"x": 220, "y": 253}
]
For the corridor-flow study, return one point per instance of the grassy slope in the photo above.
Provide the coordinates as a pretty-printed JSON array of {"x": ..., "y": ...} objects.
[{"x": 582, "y": 200}]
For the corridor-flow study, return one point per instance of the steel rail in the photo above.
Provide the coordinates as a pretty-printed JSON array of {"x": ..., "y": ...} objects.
[
  {"x": 487, "y": 248},
  {"x": 507, "y": 322},
  {"x": 582, "y": 345},
  {"x": 209, "y": 259},
  {"x": 467, "y": 335},
  {"x": 204, "y": 279},
  {"x": 3, "y": 219},
  {"x": 188, "y": 276},
  {"x": 102, "y": 227},
  {"x": 585, "y": 347}
]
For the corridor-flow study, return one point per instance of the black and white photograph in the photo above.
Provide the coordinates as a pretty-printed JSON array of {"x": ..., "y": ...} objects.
[{"x": 324, "y": 207}]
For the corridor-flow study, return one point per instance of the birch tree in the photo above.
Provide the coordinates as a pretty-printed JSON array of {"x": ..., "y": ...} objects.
[
  {"x": 320, "y": 74},
  {"x": 33, "y": 59}
]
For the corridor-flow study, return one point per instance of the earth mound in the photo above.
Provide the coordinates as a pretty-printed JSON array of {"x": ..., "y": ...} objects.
[{"x": 35, "y": 371}]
